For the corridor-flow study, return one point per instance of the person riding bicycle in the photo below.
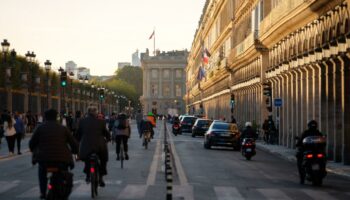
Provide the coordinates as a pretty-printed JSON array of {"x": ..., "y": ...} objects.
[
  {"x": 152, "y": 119},
  {"x": 145, "y": 126},
  {"x": 52, "y": 144},
  {"x": 311, "y": 131},
  {"x": 93, "y": 136},
  {"x": 122, "y": 130}
]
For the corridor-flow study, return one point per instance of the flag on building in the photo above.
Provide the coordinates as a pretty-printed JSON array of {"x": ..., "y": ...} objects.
[
  {"x": 205, "y": 55},
  {"x": 201, "y": 73},
  {"x": 150, "y": 37}
]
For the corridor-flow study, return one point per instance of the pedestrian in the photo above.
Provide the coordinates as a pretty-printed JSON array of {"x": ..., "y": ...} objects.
[
  {"x": 10, "y": 133},
  {"x": 122, "y": 132},
  {"x": 265, "y": 127},
  {"x": 20, "y": 129},
  {"x": 1, "y": 127}
]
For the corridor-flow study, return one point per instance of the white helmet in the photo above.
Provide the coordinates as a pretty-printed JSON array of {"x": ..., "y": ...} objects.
[{"x": 248, "y": 124}]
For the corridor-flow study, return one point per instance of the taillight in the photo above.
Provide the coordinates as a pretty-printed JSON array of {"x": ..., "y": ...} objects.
[
  {"x": 248, "y": 144},
  {"x": 49, "y": 187},
  {"x": 320, "y": 155},
  {"x": 92, "y": 170},
  {"x": 309, "y": 156}
]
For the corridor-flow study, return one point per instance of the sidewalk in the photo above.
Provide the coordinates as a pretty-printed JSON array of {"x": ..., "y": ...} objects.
[
  {"x": 4, "y": 152},
  {"x": 289, "y": 154}
]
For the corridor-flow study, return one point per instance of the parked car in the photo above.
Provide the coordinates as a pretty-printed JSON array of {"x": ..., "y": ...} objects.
[
  {"x": 200, "y": 127},
  {"x": 186, "y": 123},
  {"x": 220, "y": 134}
]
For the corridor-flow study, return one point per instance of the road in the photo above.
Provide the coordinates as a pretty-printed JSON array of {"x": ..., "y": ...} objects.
[{"x": 201, "y": 174}]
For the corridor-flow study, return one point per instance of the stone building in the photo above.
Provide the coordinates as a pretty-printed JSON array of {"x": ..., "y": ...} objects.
[
  {"x": 301, "y": 48},
  {"x": 164, "y": 82}
]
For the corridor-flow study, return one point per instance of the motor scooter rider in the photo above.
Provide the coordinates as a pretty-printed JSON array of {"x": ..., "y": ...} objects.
[
  {"x": 248, "y": 132},
  {"x": 311, "y": 131}
]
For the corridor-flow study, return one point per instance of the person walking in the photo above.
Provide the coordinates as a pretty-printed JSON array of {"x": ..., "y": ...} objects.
[
  {"x": 122, "y": 132},
  {"x": 20, "y": 130},
  {"x": 10, "y": 133}
]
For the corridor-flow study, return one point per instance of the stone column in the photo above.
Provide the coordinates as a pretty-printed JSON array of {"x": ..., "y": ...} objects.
[
  {"x": 289, "y": 113},
  {"x": 346, "y": 107},
  {"x": 310, "y": 93},
  {"x": 298, "y": 104},
  {"x": 330, "y": 108},
  {"x": 294, "y": 104}
]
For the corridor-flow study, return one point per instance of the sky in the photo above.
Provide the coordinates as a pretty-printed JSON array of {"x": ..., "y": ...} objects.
[{"x": 97, "y": 33}]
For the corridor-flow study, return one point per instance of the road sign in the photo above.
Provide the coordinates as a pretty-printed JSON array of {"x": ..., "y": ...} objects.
[{"x": 278, "y": 102}]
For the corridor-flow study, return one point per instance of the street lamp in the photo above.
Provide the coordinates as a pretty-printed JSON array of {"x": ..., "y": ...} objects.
[
  {"x": 71, "y": 74},
  {"x": 30, "y": 56},
  {"x": 47, "y": 69},
  {"x": 5, "y": 48}
]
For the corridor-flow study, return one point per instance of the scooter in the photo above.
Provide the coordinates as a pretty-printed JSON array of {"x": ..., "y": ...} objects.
[
  {"x": 248, "y": 148},
  {"x": 314, "y": 159},
  {"x": 176, "y": 129}
]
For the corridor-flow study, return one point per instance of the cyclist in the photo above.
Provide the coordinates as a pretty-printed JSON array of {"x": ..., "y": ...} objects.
[
  {"x": 122, "y": 130},
  {"x": 152, "y": 119},
  {"x": 52, "y": 144},
  {"x": 93, "y": 136},
  {"x": 145, "y": 125}
]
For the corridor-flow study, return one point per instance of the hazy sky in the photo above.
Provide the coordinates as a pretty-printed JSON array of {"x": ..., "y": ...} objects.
[{"x": 97, "y": 33}]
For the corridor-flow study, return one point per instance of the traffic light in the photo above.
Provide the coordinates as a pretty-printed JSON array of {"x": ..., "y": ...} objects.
[
  {"x": 267, "y": 89},
  {"x": 63, "y": 79},
  {"x": 102, "y": 94},
  {"x": 232, "y": 100}
]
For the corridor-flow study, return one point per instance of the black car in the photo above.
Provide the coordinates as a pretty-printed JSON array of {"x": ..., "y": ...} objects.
[
  {"x": 200, "y": 126},
  {"x": 186, "y": 123},
  {"x": 220, "y": 134}
]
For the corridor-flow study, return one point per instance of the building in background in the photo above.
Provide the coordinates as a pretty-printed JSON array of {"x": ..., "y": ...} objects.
[
  {"x": 83, "y": 72},
  {"x": 164, "y": 82},
  {"x": 135, "y": 59},
  {"x": 71, "y": 66},
  {"x": 121, "y": 65},
  {"x": 289, "y": 59}
]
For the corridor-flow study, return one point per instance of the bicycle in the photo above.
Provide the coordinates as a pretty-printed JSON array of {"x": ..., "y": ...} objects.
[
  {"x": 61, "y": 183},
  {"x": 146, "y": 138},
  {"x": 94, "y": 174}
]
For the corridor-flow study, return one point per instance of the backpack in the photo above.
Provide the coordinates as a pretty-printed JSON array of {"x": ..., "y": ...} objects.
[{"x": 63, "y": 183}]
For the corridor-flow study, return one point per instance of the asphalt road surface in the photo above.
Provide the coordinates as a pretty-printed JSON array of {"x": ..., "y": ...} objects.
[{"x": 201, "y": 174}]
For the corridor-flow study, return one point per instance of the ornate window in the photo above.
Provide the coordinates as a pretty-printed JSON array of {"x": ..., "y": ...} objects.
[
  {"x": 166, "y": 90},
  {"x": 154, "y": 91},
  {"x": 166, "y": 73},
  {"x": 178, "y": 92},
  {"x": 154, "y": 73},
  {"x": 178, "y": 73}
]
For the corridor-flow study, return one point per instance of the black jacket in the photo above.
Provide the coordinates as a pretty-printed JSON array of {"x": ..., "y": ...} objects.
[
  {"x": 93, "y": 136},
  {"x": 307, "y": 133},
  {"x": 52, "y": 142},
  {"x": 248, "y": 132}
]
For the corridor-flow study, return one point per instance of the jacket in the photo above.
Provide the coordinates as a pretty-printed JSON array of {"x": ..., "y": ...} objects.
[
  {"x": 19, "y": 126},
  {"x": 93, "y": 136},
  {"x": 52, "y": 142}
]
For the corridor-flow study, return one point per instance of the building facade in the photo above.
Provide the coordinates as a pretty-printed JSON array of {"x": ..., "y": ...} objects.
[
  {"x": 164, "y": 82},
  {"x": 83, "y": 72},
  {"x": 301, "y": 49},
  {"x": 71, "y": 67}
]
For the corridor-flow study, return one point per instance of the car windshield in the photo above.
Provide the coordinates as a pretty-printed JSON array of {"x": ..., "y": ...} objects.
[
  {"x": 189, "y": 119},
  {"x": 203, "y": 122},
  {"x": 223, "y": 126}
]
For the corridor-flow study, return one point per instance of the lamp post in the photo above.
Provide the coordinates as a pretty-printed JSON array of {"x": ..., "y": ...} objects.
[
  {"x": 71, "y": 75},
  {"x": 5, "y": 48},
  {"x": 30, "y": 56},
  {"x": 47, "y": 69}
]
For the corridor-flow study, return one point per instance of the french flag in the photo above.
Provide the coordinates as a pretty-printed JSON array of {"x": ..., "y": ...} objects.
[{"x": 206, "y": 55}]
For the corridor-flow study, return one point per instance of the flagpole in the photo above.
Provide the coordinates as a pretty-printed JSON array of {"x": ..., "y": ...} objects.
[{"x": 154, "y": 42}]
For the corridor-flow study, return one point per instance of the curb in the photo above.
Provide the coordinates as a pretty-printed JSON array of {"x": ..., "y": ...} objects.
[{"x": 330, "y": 169}]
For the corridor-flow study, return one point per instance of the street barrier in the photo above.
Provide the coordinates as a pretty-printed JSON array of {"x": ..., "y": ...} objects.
[{"x": 168, "y": 166}]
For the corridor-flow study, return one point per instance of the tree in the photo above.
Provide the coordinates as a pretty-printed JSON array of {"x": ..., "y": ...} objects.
[{"x": 131, "y": 75}]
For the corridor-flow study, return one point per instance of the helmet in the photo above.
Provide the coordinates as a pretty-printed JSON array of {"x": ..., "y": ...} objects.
[
  {"x": 248, "y": 124},
  {"x": 150, "y": 114},
  {"x": 312, "y": 124}
]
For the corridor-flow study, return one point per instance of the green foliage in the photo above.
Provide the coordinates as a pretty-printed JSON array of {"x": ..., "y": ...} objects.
[{"x": 131, "y": 75}]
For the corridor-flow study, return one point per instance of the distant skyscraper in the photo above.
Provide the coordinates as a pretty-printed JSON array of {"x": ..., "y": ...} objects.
[
  {"x": 83, "y": 72},
  {"x": 121, "y": 65},
  {"x": 136, "y": 59},
  {"x": 71, "y": 67}
]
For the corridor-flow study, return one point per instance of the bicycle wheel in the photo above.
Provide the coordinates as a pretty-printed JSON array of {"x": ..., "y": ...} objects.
[
  {"x": 93, "y": 184},
  {"x": 145, "y": 142}
]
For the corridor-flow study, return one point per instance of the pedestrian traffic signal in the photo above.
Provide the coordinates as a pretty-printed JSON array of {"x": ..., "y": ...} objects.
[
  {"x": 232, "y": 100},
  {"x": 267, "y": 89},
  {"x": 63, "y": 79}
]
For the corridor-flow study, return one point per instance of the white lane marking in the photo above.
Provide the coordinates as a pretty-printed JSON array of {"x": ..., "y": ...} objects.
[
  {"x": 5, "y": 186},
  {"x": 227, "y": 193},
  {"x": 319, "y": 195},
  {"x": 274, "y": 194},
  {"x": 84, "y": 190},
  {"x": 178, "y": 165},
  {"x": 151, "y": 179},
  {"x": 32, "y": 193},
  {"x": 133, "y": 192},
  {"x": 183, "y": 191}
]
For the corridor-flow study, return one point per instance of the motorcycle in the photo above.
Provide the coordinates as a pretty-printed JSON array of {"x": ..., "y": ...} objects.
[
  {"x": 248, "y": 148},
  {"x": 314, "y": 159},
  {"x": 176, "y": 129}
]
